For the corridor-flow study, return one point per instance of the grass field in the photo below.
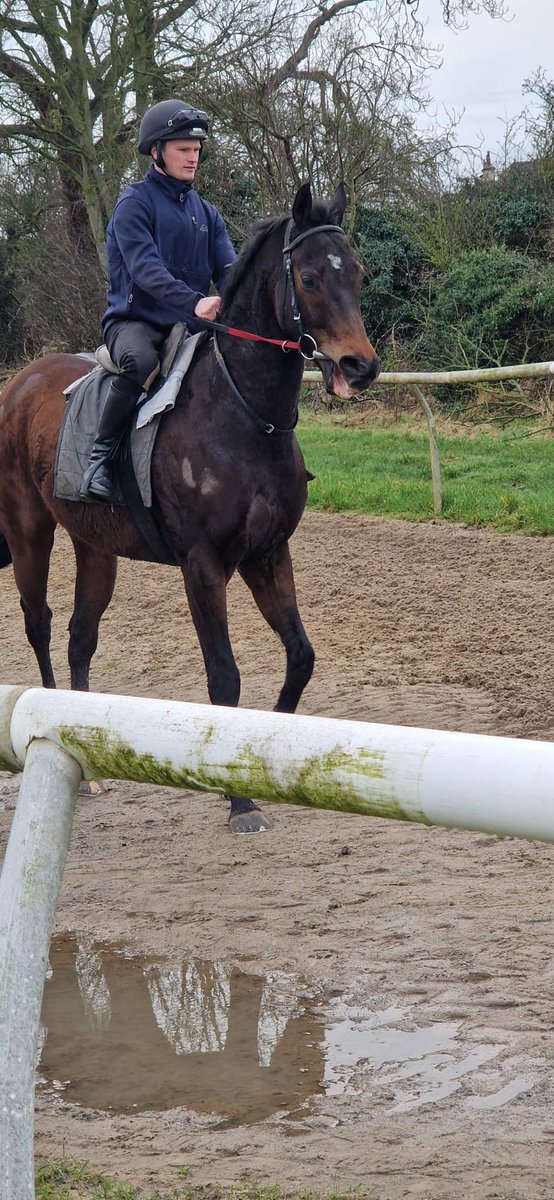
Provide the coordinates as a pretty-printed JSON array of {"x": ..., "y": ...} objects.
[
  {"x": 73, "y": 1179},
  {"x": 504, "y": 479}
]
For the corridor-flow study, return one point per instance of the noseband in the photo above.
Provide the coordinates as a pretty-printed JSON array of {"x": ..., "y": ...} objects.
[{"x": 307, "y": 344}]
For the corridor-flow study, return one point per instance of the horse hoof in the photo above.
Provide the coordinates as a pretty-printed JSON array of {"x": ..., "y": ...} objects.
[
  {"x": 249, "y": 822},
  {"x": 93, "y": 787}
]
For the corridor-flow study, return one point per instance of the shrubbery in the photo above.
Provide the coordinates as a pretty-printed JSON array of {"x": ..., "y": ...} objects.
[
  {"x": 461, "y": 280},
  {"x": 395, "y": 265},
  {"x": 493, "y": 307}
]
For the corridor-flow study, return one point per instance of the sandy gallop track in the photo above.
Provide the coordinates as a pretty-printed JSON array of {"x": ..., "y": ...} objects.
[{"x": 416, "y": 931}]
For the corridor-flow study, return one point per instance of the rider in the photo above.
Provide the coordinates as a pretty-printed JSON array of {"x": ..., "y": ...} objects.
[{"x": 165, "y": 246}]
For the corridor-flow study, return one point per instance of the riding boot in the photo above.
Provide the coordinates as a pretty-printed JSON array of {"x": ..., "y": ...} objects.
[{"x": 120, "y": 401}]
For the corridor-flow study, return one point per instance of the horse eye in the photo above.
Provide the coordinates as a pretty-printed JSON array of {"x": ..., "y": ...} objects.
[{"x": 308, "y": 281}]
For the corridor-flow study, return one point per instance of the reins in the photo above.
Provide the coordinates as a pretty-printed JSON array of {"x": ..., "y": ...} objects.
[
  {"x": 309, "y": 353},
  {"x": 263, "y": 426},
  {"x": 218, "y": 327}
]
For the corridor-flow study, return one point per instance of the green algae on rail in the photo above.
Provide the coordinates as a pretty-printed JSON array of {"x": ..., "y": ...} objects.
[
  {"x": 104, "y": 757},
  {"x": 9, "y": 764},
  {"x": 31, "y": 880},
  {"x": 313, "y": 784}
]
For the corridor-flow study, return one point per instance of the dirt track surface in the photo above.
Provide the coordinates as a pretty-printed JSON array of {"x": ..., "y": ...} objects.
[{"x": 441, "y": 940}]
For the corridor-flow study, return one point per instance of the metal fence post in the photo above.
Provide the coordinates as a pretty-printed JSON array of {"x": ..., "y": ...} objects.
[{"x": 29, "y": 888}]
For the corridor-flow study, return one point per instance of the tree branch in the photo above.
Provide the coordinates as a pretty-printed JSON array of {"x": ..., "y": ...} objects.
[
  {"x": 15, "y": 70},
  {"x": 31, "y": 131},
  {"x": 312, "y": 31}
]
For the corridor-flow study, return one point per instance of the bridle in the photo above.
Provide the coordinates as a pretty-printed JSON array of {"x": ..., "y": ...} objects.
[
  {"x": 308, "y": 353},
  {"x": 306, "y": 345}
]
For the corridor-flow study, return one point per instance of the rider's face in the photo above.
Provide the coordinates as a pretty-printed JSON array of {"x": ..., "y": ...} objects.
[{"x": 181, "y": 158}]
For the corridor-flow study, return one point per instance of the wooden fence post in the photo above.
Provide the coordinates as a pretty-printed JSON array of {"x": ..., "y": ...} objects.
[{"x": 433, "y": 446}]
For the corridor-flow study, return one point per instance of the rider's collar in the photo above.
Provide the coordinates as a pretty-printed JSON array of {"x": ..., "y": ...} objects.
[{"x": 172, "y": 187}]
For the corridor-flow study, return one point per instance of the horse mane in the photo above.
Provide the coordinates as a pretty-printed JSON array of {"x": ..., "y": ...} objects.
[{"x": 257, "y": 234}]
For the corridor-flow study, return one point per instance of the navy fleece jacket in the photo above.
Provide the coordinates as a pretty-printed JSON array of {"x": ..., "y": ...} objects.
[{"x": 165, "y": 246}]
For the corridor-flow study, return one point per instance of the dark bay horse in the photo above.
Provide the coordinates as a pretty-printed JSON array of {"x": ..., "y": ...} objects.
[{"x": 228, "y": 478}]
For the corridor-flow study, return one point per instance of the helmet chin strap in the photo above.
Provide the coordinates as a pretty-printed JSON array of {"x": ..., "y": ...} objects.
[{"x": 159, "y": 159}]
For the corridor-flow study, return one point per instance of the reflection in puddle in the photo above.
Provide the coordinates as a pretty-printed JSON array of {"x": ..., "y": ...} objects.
[
  {"x": 366, "y": 1051},
  {"x": 130, "y": 1034}
]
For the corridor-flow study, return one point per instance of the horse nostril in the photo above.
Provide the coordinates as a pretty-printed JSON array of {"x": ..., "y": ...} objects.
[
  {"x": 359, "y": 371},
  {"x": 374, "y": 368}
]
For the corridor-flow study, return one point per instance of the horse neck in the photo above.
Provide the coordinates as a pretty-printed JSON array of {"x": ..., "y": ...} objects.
[{"x": 268, "y": 377}]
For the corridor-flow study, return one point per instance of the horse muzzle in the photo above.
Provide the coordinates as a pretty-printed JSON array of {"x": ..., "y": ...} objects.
[{"x": 350, "y": 376}]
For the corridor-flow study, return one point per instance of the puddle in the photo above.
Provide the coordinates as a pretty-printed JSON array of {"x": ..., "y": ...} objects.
[
  {"x": 129, "y": 1034},
  {"x": 420, "y": 1066}
]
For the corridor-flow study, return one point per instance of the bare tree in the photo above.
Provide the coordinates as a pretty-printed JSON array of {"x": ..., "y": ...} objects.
[
  {"x": 77, "y": 75},
  {"x": 457, "y": 12},
  {"x": 539, "y": 117},
  {"x": 336, "y": 99},
  {"x": 69, "y": 71}
]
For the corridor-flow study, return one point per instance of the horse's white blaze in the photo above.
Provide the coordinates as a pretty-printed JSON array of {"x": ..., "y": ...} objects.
[
  {"x": 208, "y": 482},
  {"x": 335, "y": 260},
  {"x": 188, "y": 476}
]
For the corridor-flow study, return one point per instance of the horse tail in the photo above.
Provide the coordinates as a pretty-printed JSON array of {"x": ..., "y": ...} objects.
[{"x": 5, "y": 556}]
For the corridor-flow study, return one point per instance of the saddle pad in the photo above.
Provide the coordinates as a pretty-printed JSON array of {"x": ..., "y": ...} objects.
[
  {"x": 163, "y": 397},
  {"x": 86, "y": 399}
]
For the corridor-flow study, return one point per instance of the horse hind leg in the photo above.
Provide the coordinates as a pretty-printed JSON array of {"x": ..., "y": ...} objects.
[
  {"x": 31, "y": 562},
  {"x": 94, "y": 586},
  {"x": 5, "y": 552}
]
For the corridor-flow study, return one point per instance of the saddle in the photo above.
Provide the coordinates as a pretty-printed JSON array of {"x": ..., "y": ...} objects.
[
  {"x": 169, "y": 351},
  {"x": 85, "y": 398}
]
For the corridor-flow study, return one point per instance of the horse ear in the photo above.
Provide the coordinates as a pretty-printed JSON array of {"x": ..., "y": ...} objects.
[
  {"x": 302, "y": 206},
  {"x": 338, "y": 205}
]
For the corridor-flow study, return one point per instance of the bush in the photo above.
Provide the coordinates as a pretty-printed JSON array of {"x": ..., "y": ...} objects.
[
  {"x": 491, "y": 308},
  {"x": 395, "y": 265},
  {"x": 521, "y": 218}
]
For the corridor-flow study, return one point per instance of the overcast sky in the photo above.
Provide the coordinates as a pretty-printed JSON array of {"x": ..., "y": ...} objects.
[{"x": 485, "y": 65}]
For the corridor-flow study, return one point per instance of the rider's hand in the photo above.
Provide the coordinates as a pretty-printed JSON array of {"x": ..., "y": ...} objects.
[{"x": 208, "y": 307}]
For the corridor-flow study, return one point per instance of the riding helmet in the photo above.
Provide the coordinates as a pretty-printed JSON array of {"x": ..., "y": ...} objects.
[{"x": 170, "y": 121}]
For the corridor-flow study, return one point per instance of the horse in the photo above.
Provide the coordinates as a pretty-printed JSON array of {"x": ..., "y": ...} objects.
[{"x": 229, "y": 481}]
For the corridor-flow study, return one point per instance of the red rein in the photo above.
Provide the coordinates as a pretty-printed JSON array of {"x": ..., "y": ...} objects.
[{"x": 250, "y": 337}]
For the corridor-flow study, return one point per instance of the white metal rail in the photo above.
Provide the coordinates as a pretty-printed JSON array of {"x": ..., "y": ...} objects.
[{"x": 498, "y": 785}]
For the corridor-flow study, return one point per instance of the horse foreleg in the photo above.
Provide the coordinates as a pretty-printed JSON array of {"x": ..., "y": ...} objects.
[
  {"x": 94, "y": 585},
  {"x": 271, "y": 582},
  {"x": 31, "y": 562},
  {"x": 206, "y": 585}
]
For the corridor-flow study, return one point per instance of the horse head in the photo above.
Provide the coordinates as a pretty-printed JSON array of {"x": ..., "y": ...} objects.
[{"x": 324, "y": 279}]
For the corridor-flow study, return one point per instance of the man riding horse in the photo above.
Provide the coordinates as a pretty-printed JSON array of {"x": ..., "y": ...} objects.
[
  {"x": 228, "y": 479},
  {"x": 165, "y": 246}
]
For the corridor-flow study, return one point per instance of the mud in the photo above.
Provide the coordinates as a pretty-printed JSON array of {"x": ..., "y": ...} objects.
[{"x": 428, "y": 953}]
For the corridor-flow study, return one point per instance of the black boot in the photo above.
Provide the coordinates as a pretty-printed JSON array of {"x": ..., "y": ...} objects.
[{"x": 120, "y": 401}]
